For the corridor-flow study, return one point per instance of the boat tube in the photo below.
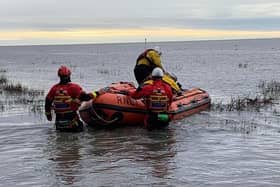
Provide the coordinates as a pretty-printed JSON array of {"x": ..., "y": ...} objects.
[{"x": 115, "y": 108}]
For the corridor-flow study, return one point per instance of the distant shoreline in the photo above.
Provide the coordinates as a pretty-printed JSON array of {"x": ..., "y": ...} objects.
[{"x": 138, "y": 42}]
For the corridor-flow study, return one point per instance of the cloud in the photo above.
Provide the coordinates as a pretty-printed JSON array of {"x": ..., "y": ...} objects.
[
  {"x": 68, "y": 16},
  {"x": 261, "y": 10}
]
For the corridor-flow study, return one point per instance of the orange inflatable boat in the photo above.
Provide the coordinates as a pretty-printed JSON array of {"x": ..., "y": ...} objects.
[{"x": 115, "y": 108}]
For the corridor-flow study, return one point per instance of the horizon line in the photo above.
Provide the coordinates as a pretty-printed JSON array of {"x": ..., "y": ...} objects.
[
  {"x": 136, "y": 42},
  {"x": 103, "y": 36}
]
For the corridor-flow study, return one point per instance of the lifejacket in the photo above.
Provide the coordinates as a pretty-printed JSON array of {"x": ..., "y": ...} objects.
[
  {"x": 158, "y": 101},
  {"x": 144, "y": 56},
  {"x": 63, "y": 102}
]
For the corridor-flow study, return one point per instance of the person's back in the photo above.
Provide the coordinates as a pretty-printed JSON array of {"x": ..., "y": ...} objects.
[
  {"x": 157, "y": 91},
  {"x": 158, "y": 97},
  {"x": 145, "y": 63},
  {"x": 65, "y": 98}
]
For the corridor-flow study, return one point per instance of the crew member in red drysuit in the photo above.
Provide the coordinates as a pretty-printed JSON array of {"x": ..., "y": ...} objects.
[
  {"x": 158, "y": 97},
  {"x": 65, "y": 98}
]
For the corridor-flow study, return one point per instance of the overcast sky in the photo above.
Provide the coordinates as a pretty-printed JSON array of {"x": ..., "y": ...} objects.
[{"x": 98, "y": 21}]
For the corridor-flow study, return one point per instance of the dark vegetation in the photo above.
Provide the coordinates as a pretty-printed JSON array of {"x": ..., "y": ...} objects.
[
  {"x": 16, "y": 94},
  {"x": 268, "y": 94}
]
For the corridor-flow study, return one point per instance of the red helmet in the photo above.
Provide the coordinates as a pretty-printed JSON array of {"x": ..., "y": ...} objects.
[{"x": 63, "y": 71}]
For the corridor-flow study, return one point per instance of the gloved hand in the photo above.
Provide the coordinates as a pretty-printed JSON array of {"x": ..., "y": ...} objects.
[
  {"x": 180, "y": 85},
  {"x": 179, "y": 93},
  {"x": 85, "y": 97},
  {"x": 49, "y": 116},
  {"x": 101, "y": 91}
]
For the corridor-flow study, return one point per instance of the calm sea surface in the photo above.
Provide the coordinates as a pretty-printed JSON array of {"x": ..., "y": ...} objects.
[{"x": 212, "y": 148}]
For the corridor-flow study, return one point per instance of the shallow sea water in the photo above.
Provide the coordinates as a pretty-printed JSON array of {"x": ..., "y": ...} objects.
[{"x": 212, "y": 148}]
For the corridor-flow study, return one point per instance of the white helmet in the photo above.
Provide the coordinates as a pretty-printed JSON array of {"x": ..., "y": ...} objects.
[{"x": 157, "y": 72}]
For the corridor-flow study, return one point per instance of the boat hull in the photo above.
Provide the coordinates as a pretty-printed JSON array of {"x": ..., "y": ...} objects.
[{"x": 115, "y": 108}]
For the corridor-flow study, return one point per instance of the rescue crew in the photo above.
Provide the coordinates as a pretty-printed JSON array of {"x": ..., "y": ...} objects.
[
  {"x": 146, "y": 62},
  {"x": 65, "y": 98},
  {"x": 158, "y": 97}
]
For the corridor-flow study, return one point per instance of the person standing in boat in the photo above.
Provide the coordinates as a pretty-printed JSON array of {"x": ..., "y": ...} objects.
[
  {"x": 146, "y": 62},
  {"x": 158, "y": 97},
  {"x": 65, "y": 98}
]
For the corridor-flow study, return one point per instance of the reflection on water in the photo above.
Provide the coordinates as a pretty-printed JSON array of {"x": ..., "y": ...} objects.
[
  {"x": 159, "y": 151},
  {"x": 75, "y": 157},
  {"x": 64, "y": 150}
]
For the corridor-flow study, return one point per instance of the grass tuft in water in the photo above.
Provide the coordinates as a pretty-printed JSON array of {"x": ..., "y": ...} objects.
[
  {"x": 15, "y": 94},
  {"x": 17, "y": 88},
  {"x": 269, "y": 93},
  {"x": 270, "y": 90},
  {"x": 3, "y": 80},
  {"x": 3, "y": 71}
]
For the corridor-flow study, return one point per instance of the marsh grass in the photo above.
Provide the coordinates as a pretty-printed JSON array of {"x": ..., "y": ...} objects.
[
  {"x": 243, "y": 126},
  {"x": 3, "y": 71},
  {"x": 17, "y": 88},
  {"x": 14, "y": 94},
  {"x": 3, "y": 80},
  {"x": 270, "y": 90},
  {"x": 268, "y": 94}
]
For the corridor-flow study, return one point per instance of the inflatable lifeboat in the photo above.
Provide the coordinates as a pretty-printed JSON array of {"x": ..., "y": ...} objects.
[{"x": 115, "y": 108}]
